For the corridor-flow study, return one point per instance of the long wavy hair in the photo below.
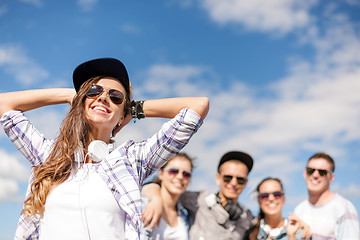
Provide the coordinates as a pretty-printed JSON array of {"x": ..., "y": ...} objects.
[
  {"x": 76, "y": 132},
  {"x": 252, "y": 234}
]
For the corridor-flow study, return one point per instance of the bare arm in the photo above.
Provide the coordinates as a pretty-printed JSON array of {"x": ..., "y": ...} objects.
[
  {"x": 32, "y": 99},
  {"x": 169, "y": 107},
  {"x": 151, "y": 214}
]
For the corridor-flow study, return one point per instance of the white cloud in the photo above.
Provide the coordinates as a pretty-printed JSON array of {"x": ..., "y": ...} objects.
[
  {"x": 352, "y": 190},
  {"x": 87, "y": 5},
  {"x": 12, "y": 173},
  {"x": 47, "y": 121},
  {"x": 164, "y": 80},
  {"x": 24, "y": 70},
  {"x": 8, "y": 190},
  {"x": 270, "y": 16},
  {"x": 11, "y": 168}
]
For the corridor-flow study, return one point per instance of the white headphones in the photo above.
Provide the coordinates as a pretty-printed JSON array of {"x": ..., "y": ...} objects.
[{"x": 98, "y": 150}]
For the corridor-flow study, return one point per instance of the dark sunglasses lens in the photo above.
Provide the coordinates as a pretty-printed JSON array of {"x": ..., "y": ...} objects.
[
  {"x": 241, "y": 180},
  {"x": 227, "y": 178},
  {"x": 94, "y": 91},
  {"x": 173, "y": 171},
  {"x": 277, "y": 194},
  {"x": 322, "y": 172},
  {"x": 310, "y": 171},
  {"x": 186, "y": 174},
  {"x": 264, "y": 196},
  {"x": 116, "y": 96}
]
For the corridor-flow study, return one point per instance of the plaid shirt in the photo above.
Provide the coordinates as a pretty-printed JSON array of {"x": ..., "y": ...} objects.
[{"x": 126, "y": 167}]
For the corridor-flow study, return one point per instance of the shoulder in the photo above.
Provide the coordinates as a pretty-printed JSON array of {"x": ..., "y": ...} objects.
[
  {"x": 342, "y": 202},
  {"x": 301, "y": 206}
]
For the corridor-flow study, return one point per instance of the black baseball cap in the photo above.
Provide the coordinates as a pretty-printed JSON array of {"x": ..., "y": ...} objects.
[
  {"x": 239, "y": 156},
  {"x": 101, "y": 67}
]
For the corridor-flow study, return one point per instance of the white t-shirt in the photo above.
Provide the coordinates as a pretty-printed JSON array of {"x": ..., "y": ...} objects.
[
  {"x": 336, "y": 219},
  {"x": 82, "y": 208},
  {"x": 166, "y": 232}
]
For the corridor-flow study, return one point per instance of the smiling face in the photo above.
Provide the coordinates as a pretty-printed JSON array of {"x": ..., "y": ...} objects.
[
  {"x": 175, "y": 184},
  {"x": 103, "y": 114},
  {"x": 232, "y": 189},
  {"x": 271, "y": 205},
  {"x": 316, "y": 183}
]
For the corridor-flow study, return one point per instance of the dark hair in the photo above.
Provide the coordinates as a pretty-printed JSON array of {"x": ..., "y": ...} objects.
[
  {"x": 324, "y": 156},
  {"x": 184, "y": 155},
  {"x": 252, "y": 234}
]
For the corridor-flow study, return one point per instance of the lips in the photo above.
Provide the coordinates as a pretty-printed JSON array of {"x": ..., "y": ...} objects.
[{"x": 100, "y": 109}]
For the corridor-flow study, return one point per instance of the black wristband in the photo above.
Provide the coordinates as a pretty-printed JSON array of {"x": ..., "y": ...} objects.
[{"x": 137, "y": 111}]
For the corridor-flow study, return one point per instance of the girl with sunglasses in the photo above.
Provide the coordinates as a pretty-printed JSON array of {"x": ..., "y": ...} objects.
[
  {"x": 82, "y": 186},
  {"x": 173, "y": 179},
  {"x": 270, "y": 222}
]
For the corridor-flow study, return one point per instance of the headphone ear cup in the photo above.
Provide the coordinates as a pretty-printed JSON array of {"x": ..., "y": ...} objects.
[{"x": 233, "y": 209}]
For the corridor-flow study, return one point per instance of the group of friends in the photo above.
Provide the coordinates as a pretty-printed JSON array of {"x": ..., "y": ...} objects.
[
  {"x": 84, "y": 186},
  {"x": 219, "y": 215}
]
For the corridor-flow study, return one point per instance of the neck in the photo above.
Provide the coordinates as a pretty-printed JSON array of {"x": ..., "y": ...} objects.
[
  {"x": 274, "y": 221},
  {"x": 318, "y": 199},
  {"x": 102, "y": 135},
  {"x": 169, "y": 200}
]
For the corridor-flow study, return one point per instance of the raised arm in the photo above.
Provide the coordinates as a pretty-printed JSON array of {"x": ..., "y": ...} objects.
[
  {"x": 32, "y": 99},
  {"x": 169, "y": 107}
]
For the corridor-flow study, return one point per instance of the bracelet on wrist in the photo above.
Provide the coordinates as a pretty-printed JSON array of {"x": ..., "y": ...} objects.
[{"x": 137, "y": 111}]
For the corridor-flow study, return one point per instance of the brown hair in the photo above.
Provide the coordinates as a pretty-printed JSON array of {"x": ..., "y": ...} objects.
[
  {"x": 75, "y": 132},
  {"x": 324, "y": 156},
  {"x": 252, "y": 234}
]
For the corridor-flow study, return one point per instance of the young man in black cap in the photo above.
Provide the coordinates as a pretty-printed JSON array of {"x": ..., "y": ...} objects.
[{"x": 219, "y": 215}]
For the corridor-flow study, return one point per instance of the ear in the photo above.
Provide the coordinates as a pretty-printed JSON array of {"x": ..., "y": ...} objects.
[
  {"x": 304, "y": 174},
  {"x": 332, "y": 177},
  {"x": 118, "y": 126},
  {"x": 218, "y": 179}
]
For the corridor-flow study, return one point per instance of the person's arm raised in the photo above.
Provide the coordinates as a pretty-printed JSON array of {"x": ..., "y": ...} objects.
[
  {"x": 169, "y": 107},
  {"x": 32, "y": 99}
]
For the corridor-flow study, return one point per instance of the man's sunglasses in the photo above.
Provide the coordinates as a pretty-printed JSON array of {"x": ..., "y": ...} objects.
[
  {"x": 175, "y": 171},
  {"x": 116, "y": 96},
  {"x": 239, "y": 180},
  {"x": 265, "y": 196},
  {"x": 322, "y": 172}
]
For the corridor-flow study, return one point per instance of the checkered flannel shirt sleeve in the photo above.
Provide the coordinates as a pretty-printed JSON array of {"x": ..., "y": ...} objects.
[{"x": 33, "y": 145}]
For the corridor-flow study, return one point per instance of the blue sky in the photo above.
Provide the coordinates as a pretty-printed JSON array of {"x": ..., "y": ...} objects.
[{"x": 283, "y": 78}]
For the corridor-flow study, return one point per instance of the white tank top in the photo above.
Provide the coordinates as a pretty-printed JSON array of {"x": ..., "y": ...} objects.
[{"x": 82, "y": 208}]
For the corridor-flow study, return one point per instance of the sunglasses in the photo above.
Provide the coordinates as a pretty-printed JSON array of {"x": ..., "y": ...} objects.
[
  {"x": 175, "y": 171},
  {"x": 239, "y": 180},
  {"x": 322, "y": 172},
  {"x": 264, "y": 196},
  {"x": 116, "y": 96}
]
